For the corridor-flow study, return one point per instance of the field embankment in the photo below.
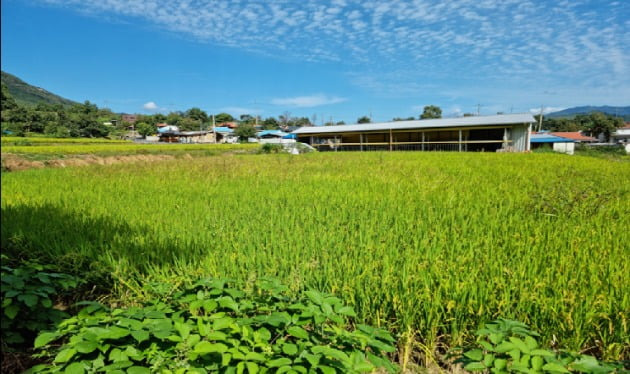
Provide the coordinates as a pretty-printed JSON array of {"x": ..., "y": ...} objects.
[
  {"x": 428, "y": 245},
  {"x": 44, "y": 152}
]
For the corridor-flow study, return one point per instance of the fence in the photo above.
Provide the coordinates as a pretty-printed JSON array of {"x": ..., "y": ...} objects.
[{"x": 426, "y": 146}]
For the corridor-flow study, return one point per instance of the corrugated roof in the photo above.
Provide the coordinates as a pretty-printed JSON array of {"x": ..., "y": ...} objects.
[
  {"x": 574, "y": 135},
  {"x": 279, "y": 133},
  {"x": 223, "y": 129},
  {"x": 547, "y": 138},
  {"x": 503, "y": 119}
]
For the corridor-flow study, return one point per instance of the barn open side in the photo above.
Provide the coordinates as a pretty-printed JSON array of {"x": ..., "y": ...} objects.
[{"x": 503, "y": 133}]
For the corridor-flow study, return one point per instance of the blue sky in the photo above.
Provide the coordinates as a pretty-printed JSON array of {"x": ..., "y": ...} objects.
[{"x": 336, "y": 59}]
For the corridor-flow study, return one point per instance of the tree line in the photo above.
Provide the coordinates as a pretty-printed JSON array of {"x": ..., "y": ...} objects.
[
  {"x": 593, "y": 124},
  {"x": 88, "y": 120}
]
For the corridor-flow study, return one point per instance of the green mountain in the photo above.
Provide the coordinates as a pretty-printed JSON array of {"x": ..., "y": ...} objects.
[
  {"x": 619, "y": 111},
  {"x": 25, "y": 94}
]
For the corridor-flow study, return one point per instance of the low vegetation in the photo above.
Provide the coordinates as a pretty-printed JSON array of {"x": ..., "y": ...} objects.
[
  {"x": 506, "y": 346},
  {"x": 40, "y": 140},
  {"x": 210, "y": 326}
]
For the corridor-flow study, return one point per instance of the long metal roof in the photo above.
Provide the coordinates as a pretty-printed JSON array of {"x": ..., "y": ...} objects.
[
  {"x": 548, "y": 138},
  {"x": 500, "y": 119}
]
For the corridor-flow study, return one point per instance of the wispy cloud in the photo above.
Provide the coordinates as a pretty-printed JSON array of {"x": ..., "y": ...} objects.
[
  {"x": 555, "y": 43},
  {"x": 308, "y": 101},
  {"x": 237, "y": 110},
  {"x": 546, "y": 110}
]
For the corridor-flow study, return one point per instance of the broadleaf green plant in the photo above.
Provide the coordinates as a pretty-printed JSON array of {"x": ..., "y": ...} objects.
[
  {"x": 211, "y": 326},
  {"x": 507, "y": 346},
  {"x": 28, "y": 294}
]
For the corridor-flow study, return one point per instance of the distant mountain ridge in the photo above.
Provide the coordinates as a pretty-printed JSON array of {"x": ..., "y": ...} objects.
[
  {"x": 620, "y": 111},
  {"x": 26, "y": 94}
]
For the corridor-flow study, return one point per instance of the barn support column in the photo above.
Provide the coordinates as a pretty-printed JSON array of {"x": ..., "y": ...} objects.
[
  {"x": 460, "y": 140},
  {"x": 390, "y": 140},
  {"x": 505, "y": 138},
  {"x": 422, "y": 147},
  {"x": 361, "y": 141}
]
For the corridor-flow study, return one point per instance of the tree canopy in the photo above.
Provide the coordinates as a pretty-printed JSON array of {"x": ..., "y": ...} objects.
[
  {"x": 595, "y": 124},
  {"x": 244, "y": 131},
  {"x": 431, "y": 111},
  {"x": 223, "y": 117},
  {"x": 364, "y": 119}
]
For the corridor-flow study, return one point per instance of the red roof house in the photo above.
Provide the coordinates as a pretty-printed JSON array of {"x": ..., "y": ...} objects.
[{"x": 574, "y": 135}]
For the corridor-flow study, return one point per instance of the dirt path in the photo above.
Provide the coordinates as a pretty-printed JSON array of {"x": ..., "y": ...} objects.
[{"x": 12, "y": 162}]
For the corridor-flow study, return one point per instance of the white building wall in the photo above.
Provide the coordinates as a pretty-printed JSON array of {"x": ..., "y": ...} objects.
[
  {"x": 277, "y": 141},
  {"x": 568, "y": 148},
  {"x": 520, "y": 138}
]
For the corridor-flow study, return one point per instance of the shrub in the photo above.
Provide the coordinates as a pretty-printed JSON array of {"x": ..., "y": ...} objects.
[
  {"x": 28, "y": 294},
  {"x": 600, "y": 150},
  {"x": 213, "y": 327},
  {"x": 506, "y": 346},
  {"x": 271, "y": 148}
]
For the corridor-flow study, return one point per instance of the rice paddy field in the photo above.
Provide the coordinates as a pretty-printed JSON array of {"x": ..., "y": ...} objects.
[{"x": 429, "y": 245}]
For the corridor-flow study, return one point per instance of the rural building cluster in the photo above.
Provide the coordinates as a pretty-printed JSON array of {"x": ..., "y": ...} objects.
[{"x": 496, "y": 133}]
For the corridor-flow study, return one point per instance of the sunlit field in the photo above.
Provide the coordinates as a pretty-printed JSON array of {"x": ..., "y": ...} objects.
[{"x": 429, "y": 245}]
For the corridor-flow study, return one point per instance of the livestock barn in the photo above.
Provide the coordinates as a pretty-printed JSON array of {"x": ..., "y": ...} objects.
[{"x": 499, "y": 133}]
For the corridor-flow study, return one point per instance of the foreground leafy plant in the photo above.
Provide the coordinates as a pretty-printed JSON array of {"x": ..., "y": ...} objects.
[
  {"x": 213, "y": 327},
  {"x": 28, "y": 293},
  {"x": 505, "y": 346}
]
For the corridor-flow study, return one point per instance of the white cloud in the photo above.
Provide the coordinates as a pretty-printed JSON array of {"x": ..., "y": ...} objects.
[
  {"x": 308, "y": 101},
  {"x": 151, "y": 106},
  {"x": 546, "y": 110}
]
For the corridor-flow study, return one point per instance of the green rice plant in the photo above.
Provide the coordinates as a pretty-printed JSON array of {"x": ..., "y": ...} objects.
[{"x": 428, "y": 245}]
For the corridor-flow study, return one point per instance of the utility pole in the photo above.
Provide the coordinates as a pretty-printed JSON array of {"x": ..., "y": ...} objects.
[
  {"x": 214, "y": 131},
  {"x": 540, "y": 118},
  {"x": 478, "y": 109}
]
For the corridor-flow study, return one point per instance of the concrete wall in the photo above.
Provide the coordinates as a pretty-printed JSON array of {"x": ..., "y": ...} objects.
[
  {"x": 276, "y": 141},
  {"x": 567, "y": 148}
]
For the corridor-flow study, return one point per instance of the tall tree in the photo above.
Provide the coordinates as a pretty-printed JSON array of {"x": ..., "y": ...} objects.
[
  {"x": 270, "y": 123},
  {"x": 145, "y": 129},
  {"x": 285, "y": 119},
  {"x": 431, "y": 111},
  {"x": 247, "y": 118},
  {"x": 197, "y": 114},
  {"x": 245, "y": 131},
  {"x": 600, "y": 124}
]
